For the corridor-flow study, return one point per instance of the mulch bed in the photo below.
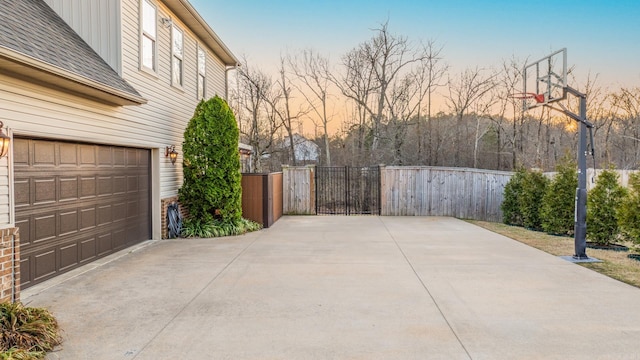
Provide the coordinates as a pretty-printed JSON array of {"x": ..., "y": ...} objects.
[{"x": 611, "y": 247}]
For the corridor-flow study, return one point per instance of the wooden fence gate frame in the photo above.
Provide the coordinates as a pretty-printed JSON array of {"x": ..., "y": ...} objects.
[{"x": 347, "y": 190}]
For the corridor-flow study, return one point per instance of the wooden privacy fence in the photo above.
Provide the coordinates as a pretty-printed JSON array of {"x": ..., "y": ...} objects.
[
  {"x": 433, "y": 191},
  {"x": 414, "y": 191},
  {"x": 298, "y": 197},
  {"x": 262, "y": 197}
]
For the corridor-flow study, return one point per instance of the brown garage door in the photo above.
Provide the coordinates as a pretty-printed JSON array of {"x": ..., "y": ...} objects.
[{"x": 77, "y": 202}]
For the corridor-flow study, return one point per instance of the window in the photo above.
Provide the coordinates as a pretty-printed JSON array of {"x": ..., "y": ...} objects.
[
  {"x": 177, "y": 46},
  {"x": 202, "y": 68},
  {"x": 148, "y": 36}
]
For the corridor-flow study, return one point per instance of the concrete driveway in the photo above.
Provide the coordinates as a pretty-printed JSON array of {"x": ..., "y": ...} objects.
[{"x": 343, "y": 288}]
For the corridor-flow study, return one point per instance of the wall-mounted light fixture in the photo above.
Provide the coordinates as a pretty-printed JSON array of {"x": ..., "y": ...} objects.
[
  {"x": 171, "y": 153},
  {"x": 166, "y": 22},
  {"x": 4, "y": 142}
]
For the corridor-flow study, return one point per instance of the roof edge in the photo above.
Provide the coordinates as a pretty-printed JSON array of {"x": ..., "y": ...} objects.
[
  {"x": 33, "y": 63},
  {"x": 190, "y": 16}
]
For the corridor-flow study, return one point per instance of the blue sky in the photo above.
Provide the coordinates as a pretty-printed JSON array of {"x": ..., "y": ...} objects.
[{"x": 602, "y": 37}]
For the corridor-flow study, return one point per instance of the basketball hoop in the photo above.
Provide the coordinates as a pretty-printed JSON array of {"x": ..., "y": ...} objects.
[{"x": 529, "y": 100}]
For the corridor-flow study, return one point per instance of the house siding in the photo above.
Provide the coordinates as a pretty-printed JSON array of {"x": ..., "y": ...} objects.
[
  {"x": 33, "y": 110},
  {"x": 97, "y": 22}
]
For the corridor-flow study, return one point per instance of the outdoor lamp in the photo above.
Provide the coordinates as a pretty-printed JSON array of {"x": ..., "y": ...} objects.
[
  {"x": 170, "y": 151},
  {"x": 4, "y": 142}
]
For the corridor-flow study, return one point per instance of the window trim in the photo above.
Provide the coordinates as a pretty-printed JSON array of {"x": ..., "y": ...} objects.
[
  {"x": 198, "y": 73},
  {"x": 181, "y": 57},
  {"x": 143, "y": 34}
]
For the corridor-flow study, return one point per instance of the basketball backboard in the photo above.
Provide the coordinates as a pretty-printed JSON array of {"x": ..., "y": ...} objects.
[{"x": 546, "y": 78}]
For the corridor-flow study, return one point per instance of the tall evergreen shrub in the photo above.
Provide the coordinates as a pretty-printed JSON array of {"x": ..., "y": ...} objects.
[
  {"x": 534, "y": 185},
  {"x": 212, "y": 180},
  {"x": 557, "y": 213},
  {"x": 603, "y": 203},
  {"x": 629, "y": 215},
  {"x": 511, "y": 214}
]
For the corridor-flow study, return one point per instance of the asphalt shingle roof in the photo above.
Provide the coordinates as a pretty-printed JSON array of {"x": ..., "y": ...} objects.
[{"x": 32, "y": 28}]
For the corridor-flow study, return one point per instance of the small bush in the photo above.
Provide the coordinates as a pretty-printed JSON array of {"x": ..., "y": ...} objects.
[
  {"x": 511, "y": 214},
  {"x": 26, "y": 332},
  {"x": 533, "y": 185},
  {"x": 215, "y": 228},
  {"x": 629, "y": 212},
  {"x": 557, "y": 213},
  {"x": 603, "y": 203}
]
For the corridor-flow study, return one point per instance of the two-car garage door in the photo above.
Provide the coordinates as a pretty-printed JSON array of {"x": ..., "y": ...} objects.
[{"x": 77, "y": 202}]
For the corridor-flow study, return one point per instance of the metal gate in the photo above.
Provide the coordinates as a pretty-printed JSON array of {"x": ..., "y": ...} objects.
[{"x": 347, "y": 190}]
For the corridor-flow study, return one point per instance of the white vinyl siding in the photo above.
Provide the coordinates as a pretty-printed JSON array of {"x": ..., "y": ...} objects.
[
  {"x": 33, "y": 110},
  {"x": 177, "y": 56},
  {"x": 148, "y": 37},
  {"x": 98, "y": 24}
]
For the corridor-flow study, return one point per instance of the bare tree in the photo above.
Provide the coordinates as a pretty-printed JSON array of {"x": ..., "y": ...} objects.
[
  {"x": 313, "y": 72},
  {"x": 257, "y": 128},
  {"x": 464, "y": 91},
  {"x": 370, "y": 71}
]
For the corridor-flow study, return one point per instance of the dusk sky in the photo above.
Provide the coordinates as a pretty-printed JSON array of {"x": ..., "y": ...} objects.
[{"x": 601, "y": 36}]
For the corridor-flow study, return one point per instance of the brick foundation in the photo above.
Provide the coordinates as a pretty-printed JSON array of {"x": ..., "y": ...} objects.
[
  {"x": 9, "y": 265},
  {"x": 164, "y": 204}
]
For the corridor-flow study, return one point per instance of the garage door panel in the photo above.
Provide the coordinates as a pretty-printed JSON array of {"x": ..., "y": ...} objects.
[
  {"x": 68, "y": 256},
  {"x": 105, "y": 185},
  {"x": 22, "y": 190},
  {"x": 25, "y": 231},
  {"x": 88, "y": 249},
  {"x": 68, "y": 222},
  {"x": 119, "y": 157},
  {"x": 88, "y": 155},
  {"x": 132, "y": 158},
  {"x": 68, "y": 154},
  {"x": 25, "y": 271},
  {"x": 44, "y": 154},
  {"x": 105, "y": 156},
  {"x": 119, "y": 238},
  {"x": 104, "y": 243},
  {"x": 119, "y": 185},
  {"x": 77, "y": 202},
  {"x": 21, "y": 154},
  {"x": 87, "y": 218},
  {"x": 68, "y": 188},
  {"x": 87, "y": 187},
  {"x": 119, "y": 211},
  {"x": 44, "y": 263},
  {"x": 105, "y": 215},
  {"x": 44, "y": 190},
  {"x": 44, "y": 227}
]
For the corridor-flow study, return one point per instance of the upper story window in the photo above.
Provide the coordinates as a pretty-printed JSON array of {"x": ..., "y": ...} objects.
[
  {"x": 202, "y": 72},
  {"x": 177, "y": 51},
  {"x": 148, "y": 49}
]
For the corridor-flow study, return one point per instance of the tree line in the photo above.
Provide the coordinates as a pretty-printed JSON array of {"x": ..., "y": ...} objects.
[{"x": 380, "y": 98}]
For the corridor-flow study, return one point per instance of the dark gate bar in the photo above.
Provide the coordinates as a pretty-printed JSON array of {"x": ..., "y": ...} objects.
[{"x": 347, "y": 190}]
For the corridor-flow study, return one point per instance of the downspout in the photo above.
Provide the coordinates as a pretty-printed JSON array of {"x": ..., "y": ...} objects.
[{"x": 226, "y": 80}]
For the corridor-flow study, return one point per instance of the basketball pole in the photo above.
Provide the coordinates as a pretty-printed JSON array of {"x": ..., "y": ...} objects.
[{"x": 580, "y": 218}]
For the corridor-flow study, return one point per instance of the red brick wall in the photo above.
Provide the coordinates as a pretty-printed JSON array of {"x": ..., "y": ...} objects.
[
  {"x": 9, "y": 265},
  {"x": 164, "y": 203}
]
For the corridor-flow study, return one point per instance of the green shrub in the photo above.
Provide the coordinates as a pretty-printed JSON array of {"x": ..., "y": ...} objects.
[
  {"x": 533, "y": 185},
  {"x": 510, "y": 206},
  {"x": 603, "y": 204},
  {"x": 26, "y": 332},
  {"x": 557, "y": 213},
  {"x": 211, "y": 188},
  {"x": 215, "y": 228},
  {"x": 629, "y": 212}
]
